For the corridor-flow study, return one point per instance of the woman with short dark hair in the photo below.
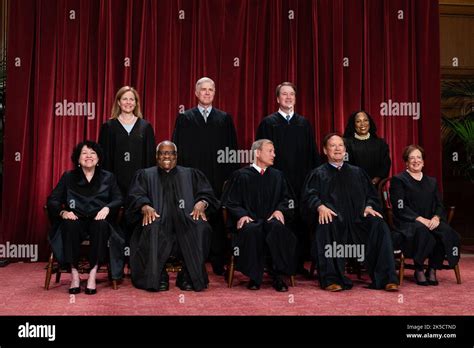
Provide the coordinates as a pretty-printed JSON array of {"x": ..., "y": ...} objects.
[
  {"x": 419, "y": 217},
  {"x": 82, "y": 206}
]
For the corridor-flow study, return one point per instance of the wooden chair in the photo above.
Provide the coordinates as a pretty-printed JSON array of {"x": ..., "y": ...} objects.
[
  {"x": 231, "y": 265},
  {"x": 53, "y": 267},
  {"x": 384, "y": 193}
]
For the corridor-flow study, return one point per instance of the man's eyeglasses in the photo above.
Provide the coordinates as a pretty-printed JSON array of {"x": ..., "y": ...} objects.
[{"x": 167, "y": 153}]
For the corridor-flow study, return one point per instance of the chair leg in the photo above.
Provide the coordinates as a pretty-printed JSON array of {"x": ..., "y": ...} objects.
[
  {"x": 114, "y": 284},
  {"x": 58, "y": 275},
  {"x": 292, "y": 280},
  {"x": 401, "y": 271},
  {"x": 230, "y": 278},
  {"x": 49, "y": 272},
  {"x": 458, "y": 274}
]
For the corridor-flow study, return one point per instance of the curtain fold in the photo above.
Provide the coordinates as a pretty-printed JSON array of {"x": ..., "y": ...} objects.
[{"x": 343, "y": 55}]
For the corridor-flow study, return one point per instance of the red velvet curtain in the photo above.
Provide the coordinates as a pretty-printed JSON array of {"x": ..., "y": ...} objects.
[{"x": 343, "y": 55}]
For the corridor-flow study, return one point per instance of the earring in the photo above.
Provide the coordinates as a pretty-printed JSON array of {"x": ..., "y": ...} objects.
[{"x": 79, "y": 166}]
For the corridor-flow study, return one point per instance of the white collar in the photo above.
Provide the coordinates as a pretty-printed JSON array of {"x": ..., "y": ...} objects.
[
  {"x": 258, "y": 168},
  {"x": 281, "y": 112}
]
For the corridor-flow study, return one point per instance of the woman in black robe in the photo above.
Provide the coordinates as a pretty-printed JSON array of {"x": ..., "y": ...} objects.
[
  {"x": 364, "y": 148},
  {"x": 128, "y": 142},
  {"x": 127, "y": 139},
  {"x": 82, "y": 206},
  {"x": 420, "y": 218}
]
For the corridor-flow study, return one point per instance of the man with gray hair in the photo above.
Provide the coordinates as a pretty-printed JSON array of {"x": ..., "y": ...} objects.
[
  {"x": 260, "y": 204},
  {"x": 200, "y": 133},
  {"x": 172, "y": 203}
]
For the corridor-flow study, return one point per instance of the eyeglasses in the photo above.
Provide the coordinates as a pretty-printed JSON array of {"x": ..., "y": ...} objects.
[{"x": 167, "y": 153}]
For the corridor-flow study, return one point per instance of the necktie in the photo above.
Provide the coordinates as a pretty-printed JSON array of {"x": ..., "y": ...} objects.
[
  {"x": 288, "y": 119},
  {"x": 204, "y": 114},
  {"x": 262, "y": 171},
  {"x": 339, "y": 167}
]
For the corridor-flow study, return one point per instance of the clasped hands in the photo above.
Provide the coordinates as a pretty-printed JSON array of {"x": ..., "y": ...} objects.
[{"x": 431, "y": 224}]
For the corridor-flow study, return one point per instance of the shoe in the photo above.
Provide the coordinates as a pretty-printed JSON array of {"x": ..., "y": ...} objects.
[
  {"x": 333, "y": 287},
  {"x": 90, "y": 291},
  {"x": 185, "y": 286},
  {"x": 419, "y": 282},
  {"x": 183, "y": 282},
  {"x": 430, "y": 274},
  {"x": 164, "y": 282},
  {"x": 74, "y": 291},
  {"x": 391, "y": 287},
  {"x": 279, "y": 285},
  {"x": 252, "y": 285}
]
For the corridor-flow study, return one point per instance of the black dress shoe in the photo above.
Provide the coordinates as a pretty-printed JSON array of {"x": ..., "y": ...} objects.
[
  {"x": 428, "y": 276},
  {"x": 74, "y": 291},
  {"x": 164, "y": 286},
  {"x": 164, "y": 282},
  {"x": 419, "y": 282},
  {"x": 279, "y": 285},
  {"x": 90, "y": 291},
  {"x": 183, "y": 282},
  {"x": 252, "y": 285},
  {"x": 185, "y": 286}
]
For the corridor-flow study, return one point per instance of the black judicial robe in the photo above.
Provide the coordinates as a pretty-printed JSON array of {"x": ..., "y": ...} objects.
[
  {"x": 152, "y": 245},
  {"x": 251, "y": 194},
  {"x": 348, "y": 192},
  {"x": 74, "y": 193},
  {"x": 198, "y": 144},
  {"x": 125, "y": 153},
  {"x": 410, "y": 199},
  {"x": 372, "y": 155},
  {"x": 295, "y": 147}
]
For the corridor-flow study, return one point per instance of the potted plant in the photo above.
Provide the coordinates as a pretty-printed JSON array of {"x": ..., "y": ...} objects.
[{"x": 457, "y": 129}]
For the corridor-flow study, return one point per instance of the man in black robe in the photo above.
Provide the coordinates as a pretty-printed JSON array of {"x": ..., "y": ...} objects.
[
  {"x": 200, "y": 133},
  {"x": 172, "y": 203},
  {"x": 260, "y": 203},
  {"x": 296, "y": 155},
  {"x": 349, "y": 223}
]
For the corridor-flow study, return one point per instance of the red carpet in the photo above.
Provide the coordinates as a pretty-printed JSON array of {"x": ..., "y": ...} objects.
[{"x": 22, "y": 293}]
